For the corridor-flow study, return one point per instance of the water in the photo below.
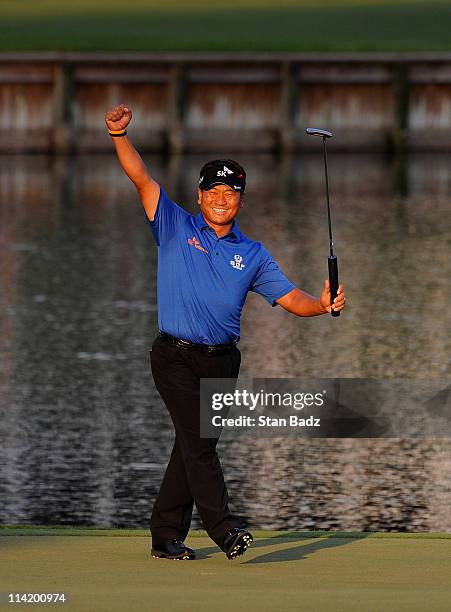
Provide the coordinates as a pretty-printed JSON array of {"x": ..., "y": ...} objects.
[{"x": 85, "y": 437}]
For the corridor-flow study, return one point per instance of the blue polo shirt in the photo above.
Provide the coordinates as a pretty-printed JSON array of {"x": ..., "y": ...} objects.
[{"x": 203, "y": 280}]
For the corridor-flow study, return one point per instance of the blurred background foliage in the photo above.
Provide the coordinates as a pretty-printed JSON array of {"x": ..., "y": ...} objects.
[{"x": 232, "y": 25}]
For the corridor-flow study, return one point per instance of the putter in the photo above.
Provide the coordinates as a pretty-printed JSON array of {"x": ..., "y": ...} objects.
[{"x": 332, "y": 259}]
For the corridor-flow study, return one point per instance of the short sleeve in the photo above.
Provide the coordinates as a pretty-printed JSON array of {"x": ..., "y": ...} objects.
[
  {"x": 269, "y": 280},
  {"x": 168, "y": 216}
]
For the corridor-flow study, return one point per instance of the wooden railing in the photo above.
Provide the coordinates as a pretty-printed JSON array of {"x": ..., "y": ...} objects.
[{"x": 56, "y": 102}]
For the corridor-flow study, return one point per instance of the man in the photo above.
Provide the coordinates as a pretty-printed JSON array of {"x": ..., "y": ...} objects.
[{"x": 206, "y": 266}]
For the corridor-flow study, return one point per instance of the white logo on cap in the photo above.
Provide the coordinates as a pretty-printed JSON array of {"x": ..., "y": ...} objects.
[
  {"x": 236, "y": 262},
  {"x": 224, "y": 172}
]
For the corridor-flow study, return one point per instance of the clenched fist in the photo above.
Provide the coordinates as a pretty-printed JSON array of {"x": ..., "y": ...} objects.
[{"x": 118, "y": 117}]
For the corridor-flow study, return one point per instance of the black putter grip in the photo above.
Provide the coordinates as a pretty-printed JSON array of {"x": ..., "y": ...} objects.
[{"x": 333, "y": 281}]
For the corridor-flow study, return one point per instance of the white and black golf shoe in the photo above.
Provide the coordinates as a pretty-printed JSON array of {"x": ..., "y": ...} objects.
[
  {"x": 173, "y": 549},
  {"x": 236, "y": 542}
]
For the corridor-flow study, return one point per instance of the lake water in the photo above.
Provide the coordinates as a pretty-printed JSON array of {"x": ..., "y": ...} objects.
[{"x": 85, "y": 438}]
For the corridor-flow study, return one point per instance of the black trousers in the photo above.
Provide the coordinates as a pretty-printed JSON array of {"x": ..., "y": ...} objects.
[{"x": 194, "y": 472}]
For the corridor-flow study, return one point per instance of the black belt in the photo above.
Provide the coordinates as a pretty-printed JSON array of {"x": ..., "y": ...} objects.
[{"x": 204, "y": 348}]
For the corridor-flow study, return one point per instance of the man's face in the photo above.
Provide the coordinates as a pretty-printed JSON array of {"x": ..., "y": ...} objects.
[{"x": 220, "y": 204}]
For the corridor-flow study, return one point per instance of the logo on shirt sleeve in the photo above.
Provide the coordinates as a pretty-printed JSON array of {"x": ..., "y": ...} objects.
[{"x": 236, "y": 262}]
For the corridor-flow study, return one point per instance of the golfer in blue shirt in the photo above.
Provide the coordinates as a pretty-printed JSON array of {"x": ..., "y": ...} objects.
[{"x": 206, "y": 267}]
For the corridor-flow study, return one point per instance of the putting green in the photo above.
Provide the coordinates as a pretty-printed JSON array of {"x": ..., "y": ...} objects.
[{"x": 321, "y": 571}]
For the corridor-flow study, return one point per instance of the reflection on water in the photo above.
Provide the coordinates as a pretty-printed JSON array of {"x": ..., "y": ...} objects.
[{"x": 85, "y": 438}]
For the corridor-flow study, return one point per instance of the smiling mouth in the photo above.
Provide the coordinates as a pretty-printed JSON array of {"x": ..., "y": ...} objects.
[{"x": 220, "y": 211}]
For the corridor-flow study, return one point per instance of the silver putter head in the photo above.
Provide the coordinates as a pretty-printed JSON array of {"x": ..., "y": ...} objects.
[{"x": 318, "y": 132}]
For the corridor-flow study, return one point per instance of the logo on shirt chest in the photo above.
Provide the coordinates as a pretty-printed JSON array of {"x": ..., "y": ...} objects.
[
  {"x": 196, "y": 244},
  {"x": 236, "y": 262}
]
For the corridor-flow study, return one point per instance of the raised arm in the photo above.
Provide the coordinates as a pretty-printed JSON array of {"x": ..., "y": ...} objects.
[{"x": 116, "y": 119}]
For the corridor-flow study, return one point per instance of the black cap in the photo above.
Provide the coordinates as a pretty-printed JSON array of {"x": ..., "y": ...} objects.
[{"x": 222, "y": 172}]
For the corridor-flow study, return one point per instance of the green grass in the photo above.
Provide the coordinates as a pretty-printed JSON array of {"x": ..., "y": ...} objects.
[
  {"x": 235, "y": 25},
  {"x": 314, "y": 572},
  {"x": 58, "y": 530}
]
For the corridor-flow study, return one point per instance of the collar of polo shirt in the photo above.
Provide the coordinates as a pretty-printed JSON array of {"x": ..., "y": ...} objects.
[{"x": 202, "y": 224}]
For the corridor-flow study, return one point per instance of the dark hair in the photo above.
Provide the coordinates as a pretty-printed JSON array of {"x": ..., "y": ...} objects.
[{"x": 228, "y": 162}]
